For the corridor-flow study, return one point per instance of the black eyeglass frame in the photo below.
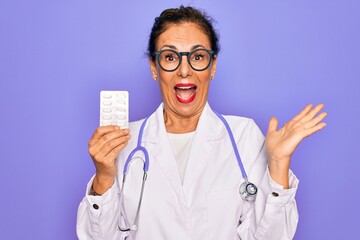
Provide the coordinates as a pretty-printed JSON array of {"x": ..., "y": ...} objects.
[{"x": 187, "y": 54}]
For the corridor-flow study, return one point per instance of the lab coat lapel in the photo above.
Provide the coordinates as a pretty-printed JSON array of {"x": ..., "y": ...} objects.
[
  {"x": 207, "y": 132},
  {"x": 163, "y": 156}
]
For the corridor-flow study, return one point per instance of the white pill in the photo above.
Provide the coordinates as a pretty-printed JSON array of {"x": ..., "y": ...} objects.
[
  {"x": 121, "y": 110},
  {"x": 121, "y": 95},
  {"x": 107, "y": 110},
  {"x": 106, "y": 117},
  {"x": 107, "y": 95},
  {"x": 107, "y": 103},
  {"x": 121, "y": 102},
  {"x": 121, "y": 123}
]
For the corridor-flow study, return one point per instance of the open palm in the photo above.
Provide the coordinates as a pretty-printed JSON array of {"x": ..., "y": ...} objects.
[{"x": 281, "y": 143}]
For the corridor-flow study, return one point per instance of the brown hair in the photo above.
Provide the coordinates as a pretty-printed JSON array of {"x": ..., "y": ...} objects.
[{"x": 181, "y": 15}]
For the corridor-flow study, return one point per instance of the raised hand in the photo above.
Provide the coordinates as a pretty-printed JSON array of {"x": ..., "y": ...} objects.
[
  {"x": 281, "y": 144},
  {"x": 104, "y": 146}
]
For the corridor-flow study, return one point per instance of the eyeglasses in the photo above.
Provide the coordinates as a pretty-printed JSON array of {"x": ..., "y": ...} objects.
[{"x": 199, "y": 59}]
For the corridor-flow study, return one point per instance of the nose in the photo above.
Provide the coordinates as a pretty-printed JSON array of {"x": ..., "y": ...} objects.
[{"x": 184, "y": 68}]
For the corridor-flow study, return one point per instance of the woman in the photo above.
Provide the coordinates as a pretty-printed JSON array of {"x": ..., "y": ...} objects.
[{"x": 192, "y": 188}]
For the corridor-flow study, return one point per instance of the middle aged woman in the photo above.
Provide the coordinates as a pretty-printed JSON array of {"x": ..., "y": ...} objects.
[{"x": 192, "y": 188}]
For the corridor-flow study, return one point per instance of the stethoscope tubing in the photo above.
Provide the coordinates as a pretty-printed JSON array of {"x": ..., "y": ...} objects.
[
  {"x": 146, "y": 154},
  {"x": 146, "y": 168},
  {"x": 142, "y": 149},
  {"x": 243, "y": 172},
  {"x": 138, "y": 148}
]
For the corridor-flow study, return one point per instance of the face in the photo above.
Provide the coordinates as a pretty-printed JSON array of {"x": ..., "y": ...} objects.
[{"x": 185, "y": 90}]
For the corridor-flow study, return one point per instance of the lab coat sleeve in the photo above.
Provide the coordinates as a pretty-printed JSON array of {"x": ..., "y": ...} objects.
[
  {"x": 98, "y": 216},
  {"x": 273, "y": 215}
]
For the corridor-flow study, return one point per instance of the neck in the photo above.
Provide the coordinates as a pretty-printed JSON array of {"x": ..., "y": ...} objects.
[{"x": 178, "y": 124}]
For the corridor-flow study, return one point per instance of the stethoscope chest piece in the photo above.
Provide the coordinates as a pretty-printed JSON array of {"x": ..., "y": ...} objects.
[{"x": 248, "y": 191}]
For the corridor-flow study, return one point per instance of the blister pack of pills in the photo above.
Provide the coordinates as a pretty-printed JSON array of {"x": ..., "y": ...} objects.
[{"x": 114, "y": 108}]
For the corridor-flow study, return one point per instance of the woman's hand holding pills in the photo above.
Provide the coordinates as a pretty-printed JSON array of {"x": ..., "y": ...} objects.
[{"x": 104, "y": 146}]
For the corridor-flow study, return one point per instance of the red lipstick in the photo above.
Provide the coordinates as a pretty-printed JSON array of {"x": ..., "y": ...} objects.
[{"x": 185, "y": 92}]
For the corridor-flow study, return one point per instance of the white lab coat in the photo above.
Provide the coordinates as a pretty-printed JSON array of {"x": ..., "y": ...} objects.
[{"x": 207, "y": 205}]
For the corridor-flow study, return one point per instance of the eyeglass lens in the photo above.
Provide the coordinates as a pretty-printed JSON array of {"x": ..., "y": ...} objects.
[{"x": 198, "y": 59}]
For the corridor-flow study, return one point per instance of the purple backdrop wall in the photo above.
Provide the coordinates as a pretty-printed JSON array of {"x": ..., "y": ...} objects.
[{"x": 277, "y": 56}]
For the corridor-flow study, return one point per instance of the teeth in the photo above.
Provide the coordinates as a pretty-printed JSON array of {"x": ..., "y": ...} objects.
[{"x": 185, "y": 88}]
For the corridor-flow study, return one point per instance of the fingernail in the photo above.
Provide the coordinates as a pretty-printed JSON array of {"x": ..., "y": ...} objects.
[
  {"x": 116, "y": 127},
  {"x": 126, "y": 131}
]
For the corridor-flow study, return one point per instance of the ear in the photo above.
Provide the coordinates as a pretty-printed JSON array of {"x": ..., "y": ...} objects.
[
  {"x": 153, "y": 69},
  {"x": 213, "y": 67}
]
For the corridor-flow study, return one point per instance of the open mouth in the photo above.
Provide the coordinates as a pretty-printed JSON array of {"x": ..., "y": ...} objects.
[{"x": 185, "y": 92}]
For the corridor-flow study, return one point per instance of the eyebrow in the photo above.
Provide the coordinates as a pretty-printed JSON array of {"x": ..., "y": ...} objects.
[
  {"x": 197, "y": 46},
  {"x": 175, "y": 48},
  {"x": 168, "y": 46}
]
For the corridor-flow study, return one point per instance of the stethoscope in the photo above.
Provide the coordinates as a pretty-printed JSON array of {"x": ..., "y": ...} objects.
[{"x": 247, "y": 189}]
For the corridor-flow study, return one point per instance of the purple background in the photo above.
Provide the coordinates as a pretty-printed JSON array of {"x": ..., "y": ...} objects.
[{"x": 277, "y": 56}]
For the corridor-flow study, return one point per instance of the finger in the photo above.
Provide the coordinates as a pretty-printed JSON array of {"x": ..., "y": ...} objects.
[
  {"x": 273, "y": 124},
  {"x": 310, "y": 115},
  {"x": 316, "y": 120},
  {"x": 303, "y": 112},
  {"x": 315, "y": 129},
  {"x": 101, "y": 131},
  {"x": 110, "y": 159},
  {"x": 112, "y": 135},
  {"x": 110, "y": 145},
  {"x": 115, "y": 151},
  {"x": 97, "y": 146}
]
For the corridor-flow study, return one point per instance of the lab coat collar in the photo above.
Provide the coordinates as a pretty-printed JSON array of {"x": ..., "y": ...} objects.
[
  {"x": 209, "y": 129},
  {"x": 208, "y": 125}
]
